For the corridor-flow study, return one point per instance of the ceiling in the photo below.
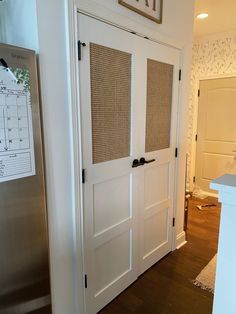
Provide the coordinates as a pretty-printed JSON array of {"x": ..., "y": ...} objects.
[{"x": 222, "y": 17}]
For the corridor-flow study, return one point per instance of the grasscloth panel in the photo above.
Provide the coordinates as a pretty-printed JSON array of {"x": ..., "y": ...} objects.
[
  {"x": 159, "y": 99},
  {"x": 110, "y": 71}
]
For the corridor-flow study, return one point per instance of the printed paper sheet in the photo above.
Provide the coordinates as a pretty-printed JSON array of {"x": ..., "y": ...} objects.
[{"x": 16, "y": 133}]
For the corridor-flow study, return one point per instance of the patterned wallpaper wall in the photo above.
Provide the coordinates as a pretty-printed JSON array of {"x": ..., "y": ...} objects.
[{"x": 211, "y": 57}]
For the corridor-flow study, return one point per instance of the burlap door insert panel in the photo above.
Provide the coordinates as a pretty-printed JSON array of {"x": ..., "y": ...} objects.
[
  {"x": 159, "y": 100},
  {"x": 110, "y": 72}
]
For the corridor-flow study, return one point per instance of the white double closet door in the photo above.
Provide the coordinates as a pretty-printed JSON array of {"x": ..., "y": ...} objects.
[{"x": 129, "y": 99}]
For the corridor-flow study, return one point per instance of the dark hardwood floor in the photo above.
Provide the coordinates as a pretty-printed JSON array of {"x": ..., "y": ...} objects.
[
  {"x": 44, "y": 310},
  {"x": 166, "y": 288}
]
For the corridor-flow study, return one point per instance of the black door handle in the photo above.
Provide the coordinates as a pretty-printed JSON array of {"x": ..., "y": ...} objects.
[
  {"x": 144, "y": 161},
  {"x": 136, "y": 163},
  {"x": 141, "y": 162}
]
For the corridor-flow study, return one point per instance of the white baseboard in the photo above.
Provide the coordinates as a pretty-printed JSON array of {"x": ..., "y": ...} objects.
[
  {"x": 180, "y": 240},
  {"x": 211, "y": 194},
  {"x": 205, "y": 193}
]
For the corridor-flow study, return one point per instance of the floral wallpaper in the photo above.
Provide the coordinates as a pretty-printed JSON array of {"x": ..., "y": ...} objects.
[{"x": 210, "y": 58}]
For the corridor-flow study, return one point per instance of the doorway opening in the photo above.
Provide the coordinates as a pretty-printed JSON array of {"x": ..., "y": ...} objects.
[
  {"x": 215, "y": 136},
  {"x": 211, "y": 126}
]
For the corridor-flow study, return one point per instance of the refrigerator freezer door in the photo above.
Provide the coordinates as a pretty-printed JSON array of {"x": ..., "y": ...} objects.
[{"x": 24, "y": 266}]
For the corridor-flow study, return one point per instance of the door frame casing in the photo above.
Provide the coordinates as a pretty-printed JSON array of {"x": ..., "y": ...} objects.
[
  {"x": 74, "y": 94},
  {"x": 74, "y": 91},
  {"x": 192, "y": 170}
]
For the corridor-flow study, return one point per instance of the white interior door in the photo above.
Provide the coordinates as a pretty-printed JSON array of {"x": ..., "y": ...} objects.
[
  {"x": 159, "y": 77},
  {"x": 129, "y": 96},
  {"x": 216, "y": 142},
  {"x": 107, "y": 82}
]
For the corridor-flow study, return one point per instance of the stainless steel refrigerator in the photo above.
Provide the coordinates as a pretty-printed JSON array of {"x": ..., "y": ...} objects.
[{"x": 24, "y": 265}]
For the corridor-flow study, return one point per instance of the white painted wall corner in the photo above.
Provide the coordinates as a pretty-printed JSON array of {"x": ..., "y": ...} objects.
[{"x": 181, "y": 240}]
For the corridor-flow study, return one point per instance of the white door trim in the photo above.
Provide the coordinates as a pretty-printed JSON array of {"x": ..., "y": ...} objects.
[
  {"x": 74, "y": 93},
  {"x": 213, "y": 77},
  {"x": 178, "y": 239},
  {"x": 73, "y": 87},
  {"x": 98, "y": 10},
  {"x": 195, "y": 123}
]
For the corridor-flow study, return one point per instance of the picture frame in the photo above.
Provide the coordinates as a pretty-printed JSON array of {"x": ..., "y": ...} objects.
[{"x": 151, "y": 9}]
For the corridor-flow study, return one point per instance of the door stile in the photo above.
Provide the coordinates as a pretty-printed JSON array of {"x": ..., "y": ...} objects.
[{"x": 151, "y": 51}]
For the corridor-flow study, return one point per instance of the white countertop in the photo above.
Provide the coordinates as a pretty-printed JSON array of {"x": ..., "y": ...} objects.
[{"x": 226, "y": 183}]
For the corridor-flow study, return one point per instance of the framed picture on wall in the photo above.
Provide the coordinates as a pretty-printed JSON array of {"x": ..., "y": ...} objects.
[{"x": 151, "y": 9}]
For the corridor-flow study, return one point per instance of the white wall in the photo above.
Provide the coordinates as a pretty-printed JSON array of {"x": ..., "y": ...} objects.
[
  {"x": 19, "y": 18},
  {"x": 177, "y": 30},
  {"x": 177, "y": 18},
  {"x": 41, "y": 25},
  {"x": 213, "y": 56}
]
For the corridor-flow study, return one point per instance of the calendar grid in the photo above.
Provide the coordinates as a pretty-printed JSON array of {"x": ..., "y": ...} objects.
[
  {"x": 14, "y": 121},
  {"x": 17, "y": 159}
]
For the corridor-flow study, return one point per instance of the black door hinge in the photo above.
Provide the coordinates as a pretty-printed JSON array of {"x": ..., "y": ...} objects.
[
  {"x": 83, "y": 176},
  {"x": 85, "y": 281},
  {"x": 196, "y": 137},
  {"x": 194, "y": 179},
  {"x": 198, "y": 93},
  {"x": 173, "y": 222},
  {"x": 176, "y": 152},
  {"x": 180, "y": 75},
  {"x": 79, "y": 49}
]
